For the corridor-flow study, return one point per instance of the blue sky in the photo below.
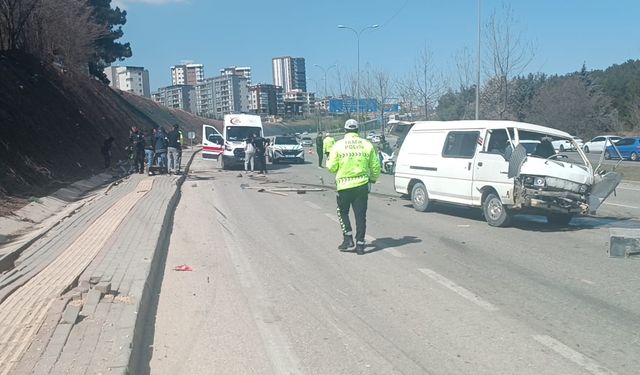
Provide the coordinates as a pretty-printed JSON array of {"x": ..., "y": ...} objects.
[{"x": 566, "y": 33}]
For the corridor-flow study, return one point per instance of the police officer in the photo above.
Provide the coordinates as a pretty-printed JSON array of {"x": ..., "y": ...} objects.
[
  {"x": 355, "y": 162},
  {"x": 327, "y": 144}
]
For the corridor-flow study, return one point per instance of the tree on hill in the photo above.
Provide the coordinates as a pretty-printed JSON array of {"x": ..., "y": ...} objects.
[{"x": 107, "y": 50}]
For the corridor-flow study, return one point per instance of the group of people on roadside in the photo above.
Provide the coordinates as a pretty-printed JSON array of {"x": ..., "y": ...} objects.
[
  {"x": 155, "y": 146},
  {"x": 255, "y": 154}
]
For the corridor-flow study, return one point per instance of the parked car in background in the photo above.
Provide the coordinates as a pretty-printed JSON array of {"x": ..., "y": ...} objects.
[
  {"x": 628, "y": 148},
  {"x": 306, "y": 141},
  {"x": 599, "y": 143},
  {"x": 563, "y": 145},
  {"x": 285, "y": 148}
]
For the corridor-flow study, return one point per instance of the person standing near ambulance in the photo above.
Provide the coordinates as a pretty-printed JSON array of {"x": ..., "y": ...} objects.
[{"x": 355, "y": 162}]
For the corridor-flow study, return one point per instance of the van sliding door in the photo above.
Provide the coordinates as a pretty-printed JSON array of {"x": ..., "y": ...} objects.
[{"x": 457, "y": 165}]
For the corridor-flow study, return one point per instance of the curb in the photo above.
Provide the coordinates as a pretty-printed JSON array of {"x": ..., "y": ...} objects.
[{"x": 148, "y": 299}]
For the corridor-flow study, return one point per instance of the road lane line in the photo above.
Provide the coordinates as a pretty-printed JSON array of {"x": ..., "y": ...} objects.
[
  {"x": 572, "y": 355},
  {"x": 587, "y": 281},
  {"x": 312, "y": 205},
  {"x": 464, "y": 293},
  {"x": 395, "y": 252},
  {"x": 333, "y": 217},
  {"x": 621, "y": 205}
]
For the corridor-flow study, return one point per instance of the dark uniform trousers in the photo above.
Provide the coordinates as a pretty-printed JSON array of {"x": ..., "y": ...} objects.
[{"x": 357, "y": 198}]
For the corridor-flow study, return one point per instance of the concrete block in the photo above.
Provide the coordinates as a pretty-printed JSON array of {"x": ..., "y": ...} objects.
[
  {"x": 624, "y": 242},
  {"x": 95, "y": 279},
  {"x": 70, "y": 314},
  {"x": 93, "y": 298},
  {"x": 103, "y": 287},
  {"x": 84, "y": 284}
]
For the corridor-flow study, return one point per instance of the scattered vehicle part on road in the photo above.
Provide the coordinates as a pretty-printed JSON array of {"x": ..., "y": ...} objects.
[{"x": 502, "y": 167}]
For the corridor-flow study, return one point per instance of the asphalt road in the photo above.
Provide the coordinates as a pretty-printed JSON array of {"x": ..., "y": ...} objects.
[{"x": 436, "y": 293}]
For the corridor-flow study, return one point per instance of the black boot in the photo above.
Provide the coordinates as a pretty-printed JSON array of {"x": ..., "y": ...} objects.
[
  {"x": 360, "y": 248},
  {"x": 347, "y": 243}
]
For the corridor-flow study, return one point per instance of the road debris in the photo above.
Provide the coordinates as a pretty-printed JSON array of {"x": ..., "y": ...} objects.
[{"x": 182, "y": 267}]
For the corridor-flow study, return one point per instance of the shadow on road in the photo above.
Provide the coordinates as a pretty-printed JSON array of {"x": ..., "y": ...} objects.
[{"x": 387, "y": 242}]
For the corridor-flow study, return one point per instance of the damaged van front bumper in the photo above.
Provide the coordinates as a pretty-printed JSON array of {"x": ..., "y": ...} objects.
[{"x": 551, "y": 194}]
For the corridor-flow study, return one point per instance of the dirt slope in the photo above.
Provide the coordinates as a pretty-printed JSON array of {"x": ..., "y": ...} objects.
[{"x": 53, "y": 123}]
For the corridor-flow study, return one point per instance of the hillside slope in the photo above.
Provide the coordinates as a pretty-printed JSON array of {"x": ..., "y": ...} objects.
[{"x": 53, "y": 123}]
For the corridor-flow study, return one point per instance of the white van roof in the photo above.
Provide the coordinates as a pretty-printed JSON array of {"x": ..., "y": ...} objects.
[
  {"x": 486, "y": 124},
  {"x": 242, "y": 120}
]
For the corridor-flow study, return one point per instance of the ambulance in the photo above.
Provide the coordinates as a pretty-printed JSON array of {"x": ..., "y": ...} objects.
[{"x": 237, "y": 129}]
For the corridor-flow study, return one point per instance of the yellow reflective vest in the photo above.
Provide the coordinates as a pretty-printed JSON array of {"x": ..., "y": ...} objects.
[
  {"x": 354, "y": 161},
  {"x": 327, "y": 144}
]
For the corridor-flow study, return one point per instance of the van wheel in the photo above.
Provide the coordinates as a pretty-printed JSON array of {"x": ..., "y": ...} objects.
[
  {"x": 559, "y": 219},
  {"x": 634, "y": 156},
  {"x": 420, "y": 197},
  {"x": 495, "y": 213}
]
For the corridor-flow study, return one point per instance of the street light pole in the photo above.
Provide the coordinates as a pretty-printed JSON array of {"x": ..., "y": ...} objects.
[
  {"x": 358, "y": 79},
  {"x": 324, "y": 71}
]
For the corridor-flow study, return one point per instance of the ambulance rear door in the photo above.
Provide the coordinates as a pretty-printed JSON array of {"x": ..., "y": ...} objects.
[{"x": 212, "y": 142}]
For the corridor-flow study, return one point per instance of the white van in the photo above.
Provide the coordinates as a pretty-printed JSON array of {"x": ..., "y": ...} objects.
[
  {"x": 237, "y": 129},
  {"x": 504, "y": 167}
]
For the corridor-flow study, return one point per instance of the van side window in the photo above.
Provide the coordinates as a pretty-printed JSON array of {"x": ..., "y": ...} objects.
[{"x": 461, "y": 144}]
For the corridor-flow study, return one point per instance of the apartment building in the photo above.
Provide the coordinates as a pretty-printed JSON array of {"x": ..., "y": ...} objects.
[
  {"x": 289, "y": 73},
  {"x": 187, "y": 74},
  {"x": 266, "y": 100},
  {"x": 243, "y": 71},
  {"x": 176, "y": 96},
  {"x": 221, "y": 95},
  {"x": 133, "y": 79},
  {"x": 298, "y": 103}
]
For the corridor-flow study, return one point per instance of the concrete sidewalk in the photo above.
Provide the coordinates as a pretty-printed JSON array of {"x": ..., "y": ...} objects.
[{"x": 83, "y": 284}]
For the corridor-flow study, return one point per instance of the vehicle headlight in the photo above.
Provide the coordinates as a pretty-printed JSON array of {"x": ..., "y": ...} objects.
[{"x": 539, "y": 181}]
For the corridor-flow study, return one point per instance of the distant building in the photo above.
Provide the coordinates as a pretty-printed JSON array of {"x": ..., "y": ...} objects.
[
  {"x": 289, "y": 73},
  {"x": 187, "y": 74},
  {"x": 243, "y": 71},
  {"x": 222, "y": 95},
  {"x": 297, "y": 103},
  {"x": 176, "y": 96},
  {"x": 266, "y": 100},
  {"x": 133, "y": 79}
]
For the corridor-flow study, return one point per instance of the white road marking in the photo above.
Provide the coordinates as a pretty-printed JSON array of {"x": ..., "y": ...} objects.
[
  {"x": 393, "y": 251},
  {"x": 621, "y": 205},
  {"x": 587, "y": 281},
  {"x": 572, "y": 355},
  {"x": 628, "y": 188},
  {"x": 333, "y": 217},
  {"x": 464, "y": 293},
  {"x": 312, "y": 205}
]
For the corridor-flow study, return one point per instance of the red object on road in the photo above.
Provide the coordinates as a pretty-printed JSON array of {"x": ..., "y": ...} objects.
[{"x": 183, "y": 267}]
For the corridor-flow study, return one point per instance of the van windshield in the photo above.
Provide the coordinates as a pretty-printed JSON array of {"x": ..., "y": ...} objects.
[
  {"x": 240, "y": 133},
  {"x": 285, "y": 141}
]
